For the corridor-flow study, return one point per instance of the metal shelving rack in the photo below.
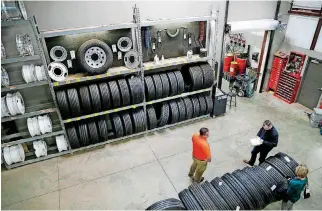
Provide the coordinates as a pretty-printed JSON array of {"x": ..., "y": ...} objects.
[
  {"x": 52, "y": 105},
  {"x": 143, "y": 68}
]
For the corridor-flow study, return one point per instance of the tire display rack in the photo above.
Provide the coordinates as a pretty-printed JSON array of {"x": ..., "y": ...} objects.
[
  {"x": 32, "y": 111},
  {"x": 82, "y": 120}
]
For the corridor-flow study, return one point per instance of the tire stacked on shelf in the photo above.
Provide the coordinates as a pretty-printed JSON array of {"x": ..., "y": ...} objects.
[
  {"x": 99, "y": 97},
  {"x": 198, "y": 77},
  {"x": 249, "y": 188}
]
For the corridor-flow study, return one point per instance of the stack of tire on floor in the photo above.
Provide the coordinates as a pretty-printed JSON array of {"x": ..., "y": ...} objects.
[
  {"x": 249, "y": 189},
  {"x": 103, "y": 96},
  {"x": 172, "y": 83}
]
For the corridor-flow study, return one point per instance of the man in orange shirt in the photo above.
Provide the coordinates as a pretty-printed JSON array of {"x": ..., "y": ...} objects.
[{"x": 200, "y": 154}]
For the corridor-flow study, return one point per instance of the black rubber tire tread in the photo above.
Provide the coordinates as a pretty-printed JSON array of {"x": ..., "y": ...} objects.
[
  {"x": 261, "y": 184},
  {"x": 102, "y": 129},
  {"x": 165, "y": 114},
  {"x": 93, "y": 133},
  {"x": 63, "y": 103},
  {"x": 196, "y": 78},
  {"x": 167, "y": 204},
  {"x": 72, "y": 137},
  {"x": 209, "y": 103},
  {"x": 165, "y": 85},
  {"x": 127, "y": 123},
  {"x": 189, "y": 107},
  {"x": 196, "y": 106},
  {"x": 202, "y": 197},
  {"x": 242, "y": 177},
  {"x": 73, "y": 100},
  {"x": 203, "y": 105},
  {"x": 174, "y": 112},
  {"x": 173, "y": 83},
  {"x": 151, "y": 117},
  {"x": 158, "y": 86},
  {"x": 272, "y": 171},
  {"x": 125, "y": 92},
  {"x": 232, "y": 200},
  {"x": 115, "y": 93},
  {"x": 138, "y": 120},
  {"x": 117, "y": 125},
  {"x": 95, "y": 43},
  {"x": 142, "y": 120},
  {"x": 85, "y": 99},
  {"x": 149, "y": 88},
  {"x": 180, "y": 81},
  {"x": 182, "y": 109},
  {"x": 292, "y": 164},
  {"x": 95, "y": 98},
  {"x": 269, "y": 178},
  {"x": 238, "y": 188},
  {"x": 136, "y": 90},
  {"x": 280, "y": 166},
  {"x": 215, "y": 196},
  {"x": 188, "y": 200},
  {"x": 83, "y": 134},
  {"x": 105, "y": 96},
  {"x": 208, "y": 75}
]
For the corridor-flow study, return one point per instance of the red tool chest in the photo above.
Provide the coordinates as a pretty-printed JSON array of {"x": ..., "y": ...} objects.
[
  {"x": 287, "y": 87},
  {"x": 279, "y": 63}
]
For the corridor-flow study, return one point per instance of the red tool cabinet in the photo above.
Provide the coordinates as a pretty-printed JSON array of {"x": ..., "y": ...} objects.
[
  {"x": 279, "y": 63},
  {"x": 287, "y": 87}
]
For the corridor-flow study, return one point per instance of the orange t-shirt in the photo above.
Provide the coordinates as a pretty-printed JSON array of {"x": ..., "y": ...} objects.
[{"x": 201, "y": 149}]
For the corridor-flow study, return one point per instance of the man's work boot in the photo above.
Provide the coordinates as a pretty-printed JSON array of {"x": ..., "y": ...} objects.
[{"x": 247, "y": 162}]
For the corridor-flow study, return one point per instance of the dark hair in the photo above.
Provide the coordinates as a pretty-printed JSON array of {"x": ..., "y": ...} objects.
[
  {"x": 267, "y": 122},
  {"x": 203, "y": 131}
]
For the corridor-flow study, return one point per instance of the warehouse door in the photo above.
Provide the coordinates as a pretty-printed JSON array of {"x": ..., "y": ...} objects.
[{"x": 310, "y": 94}]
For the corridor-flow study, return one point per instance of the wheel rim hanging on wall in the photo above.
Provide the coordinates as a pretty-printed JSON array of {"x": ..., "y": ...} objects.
[
  {"x": 95, "y": 57},
  {"x": 57, "y": 71},
  {"x": 132, "y": 59},
  {"x": 127, "y": 46},
  {"x": 58, "y": 53},
  {"x": 61, "y": 143}
]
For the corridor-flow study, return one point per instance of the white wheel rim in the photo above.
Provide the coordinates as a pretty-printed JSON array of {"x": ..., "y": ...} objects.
[
  {"x": 31, "y": 128},
  {"x": 45, "y": 124},
  {"x": 127, "y": 47},
  {"x": 57, "y": 71},
  {"x": 6, "y": 155},
  {"x": 28, "y": 73},
  {"x": 38, "y": 73},
  {"x": 55, "y": 57},
  {"x": 14, "y": 154},
  {"x": 4, "y": 108},
  {"x": 61, "y": 143},
  {"x": 10, "y": 106},
  {"x": 40, "y": 147},
  {"x": 95, "y": 57},
  {"x": 4, "y": 77},
  {"x": 19, "y": 103},
  {"x": 21, "y": 152}
]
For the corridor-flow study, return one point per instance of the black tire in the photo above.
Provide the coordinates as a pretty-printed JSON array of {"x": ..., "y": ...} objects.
[
  {"x": 215, "y": 196},
  {"x": 151, "y": 117},
  {"x": 232, "y": 200},
  {"x": 72, "y": 137},
  {"x": 208, "y": 75},
  {"x": 95, "y": 98},
  {"x": 73, "y": 100},
  {"x": 85, "y": 99},
  {"x": 165, "y": 85},
  {"x": 188, "y": 200},
  {"x": 287, "y": 160},
  {"x": 136, "y": 90},
  {"x": 193, "y": 78},
  {"x": 117, "y": 125},
  {"x": 93, "y": 133},
  {"x": 173, "y": 83},
  {"x": 102, "y": 129},
  {"x": 269, "y": 178},
  {"x": 196, "y": 106},
  {"x": 203, "y": 105},
  {"x": 280, "y": 167},
  {"x": 63, "y": 103},
  {"x": 138, "y": 120},
  {"x": 182, "y": 109},
  {"x": 105, "y": 96},
  {"x": 254, "y": 191},
  {"x": 202, "y": 197},
  {"x": 127, "y": 123},
  {"x": 238, "y": 188},
  {"x": 125, "y": 92},
  {"x": 180, "y": 81},
  {"x": 163, "y": 113},
  {"x": 149, "y": 88},
  {"x": 167, "y": 204},
  {"x": 209, "y": 103},
  {"x": 83, "y": 134},
  {"x": 272, "y": 171},
  {"x": 174, "y": 112},
  {"x": 115, "y": 93},
  {"x": 158, "y": 86},
  {"x": 95, "y": 43},
  {"x": 189, "y": 107}
]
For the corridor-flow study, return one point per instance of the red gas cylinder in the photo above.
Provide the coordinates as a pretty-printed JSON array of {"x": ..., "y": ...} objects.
[
  {"x": 241, "y": 65},
  {"x": 228, "y": 59},
  {"x": 233, "y": 70}
]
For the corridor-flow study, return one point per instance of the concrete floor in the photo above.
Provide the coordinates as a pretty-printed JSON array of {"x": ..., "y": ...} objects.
[{"x": 135, "y": 174}]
